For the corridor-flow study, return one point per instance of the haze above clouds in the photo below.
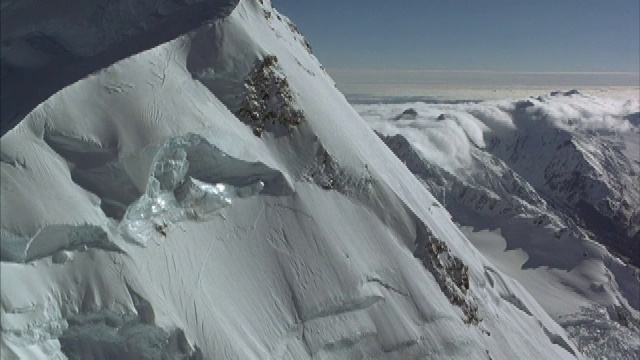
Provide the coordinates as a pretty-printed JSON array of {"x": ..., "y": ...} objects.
[{"x": 416, "y": 48}]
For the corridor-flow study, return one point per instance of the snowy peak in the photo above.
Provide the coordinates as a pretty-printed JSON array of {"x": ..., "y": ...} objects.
[{"x": 250, "y": 213}]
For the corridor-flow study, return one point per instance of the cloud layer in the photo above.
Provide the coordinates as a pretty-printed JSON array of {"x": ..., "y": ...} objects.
[{"x": 446, "y": 133}]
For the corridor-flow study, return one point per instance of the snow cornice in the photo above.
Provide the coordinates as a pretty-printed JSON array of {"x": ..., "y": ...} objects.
[{"x": 48, "y": 45}]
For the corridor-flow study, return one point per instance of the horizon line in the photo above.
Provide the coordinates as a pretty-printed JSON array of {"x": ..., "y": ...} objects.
[{"x": 506, "y": 72}]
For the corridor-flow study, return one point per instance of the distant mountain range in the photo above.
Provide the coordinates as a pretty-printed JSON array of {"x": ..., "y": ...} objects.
[{"x": 554, "y": 176}]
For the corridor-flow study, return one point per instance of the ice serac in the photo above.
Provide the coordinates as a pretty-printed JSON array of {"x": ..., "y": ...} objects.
[{"x": 255, "y": 215}]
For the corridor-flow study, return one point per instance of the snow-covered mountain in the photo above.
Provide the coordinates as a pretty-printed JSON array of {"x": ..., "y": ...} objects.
[
  {"x": 215, "y": 197},
  {"x": 47, "y": 45},
  {"x": 539, "y": 185}
]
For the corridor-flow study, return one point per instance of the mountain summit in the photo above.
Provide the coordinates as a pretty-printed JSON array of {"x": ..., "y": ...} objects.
[{"x": 215, "y": 197}]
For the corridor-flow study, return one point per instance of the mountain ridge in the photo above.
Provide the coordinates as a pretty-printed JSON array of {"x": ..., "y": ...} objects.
[
  {"x": 305, "y": 239},
  {"x": 496, "y": 188}
]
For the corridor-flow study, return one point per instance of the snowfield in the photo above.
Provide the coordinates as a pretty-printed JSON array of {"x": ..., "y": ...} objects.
[
  {"x": 215, "y": 197},
  {"x": 539, "y": 185}
]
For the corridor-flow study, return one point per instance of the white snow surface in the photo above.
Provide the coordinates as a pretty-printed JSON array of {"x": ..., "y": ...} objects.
[
  {"x": 506, "y": 170},
  {"x": 142, "y": 219}
]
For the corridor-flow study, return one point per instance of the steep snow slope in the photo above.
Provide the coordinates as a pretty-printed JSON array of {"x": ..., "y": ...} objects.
[
  {"x": 216, "y": 197},
  {"x": 47, "y": 45},
  {"x": 519, "y": 175}
]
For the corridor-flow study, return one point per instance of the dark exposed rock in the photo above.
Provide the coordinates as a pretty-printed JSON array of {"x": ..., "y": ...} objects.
[
  {"x": 565, "y": 93},
  {"x": 408, "y": 114},
  {"x": 634, "y": 118},
  {"x": 451, "y": 274},
  {"x": 522, "y": 105},
  {"x": 268, "y": 102}
]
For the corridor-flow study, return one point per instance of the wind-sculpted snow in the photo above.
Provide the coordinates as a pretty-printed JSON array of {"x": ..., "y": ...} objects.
[
  {"x": 550, "y": 177},
  {"x": 47, "y": 46},
  {"x": 124, "y": 336},
  {"x": 52, "y": 240},
  {"x": 173, "y": 193},
  {"x": 322, "y": 252}
]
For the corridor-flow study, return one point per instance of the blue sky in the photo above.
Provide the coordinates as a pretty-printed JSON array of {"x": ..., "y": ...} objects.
[{"x": 488, "y": 35}]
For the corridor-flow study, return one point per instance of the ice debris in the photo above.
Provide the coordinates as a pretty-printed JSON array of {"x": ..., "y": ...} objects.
[
  {"x": 172, "y": 196},
  {"x": 603, "y": 332}
]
